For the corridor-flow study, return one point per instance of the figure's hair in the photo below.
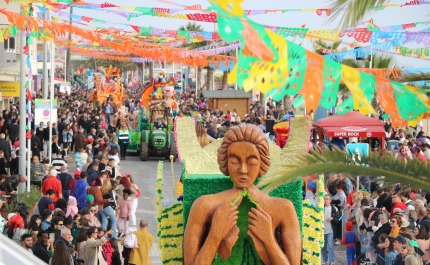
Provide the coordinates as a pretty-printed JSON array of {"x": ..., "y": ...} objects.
[{"x": 246, "y": 133}]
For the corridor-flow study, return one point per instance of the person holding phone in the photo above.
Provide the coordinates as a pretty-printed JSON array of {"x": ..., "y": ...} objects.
[{"x": 93, "y": 244}]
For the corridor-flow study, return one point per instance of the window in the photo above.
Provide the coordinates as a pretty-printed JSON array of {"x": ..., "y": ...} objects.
[{"x": 9, "y": 44}]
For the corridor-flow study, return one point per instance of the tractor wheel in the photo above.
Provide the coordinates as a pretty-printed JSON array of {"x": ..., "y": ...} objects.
[{"x": 144, "y": 151}]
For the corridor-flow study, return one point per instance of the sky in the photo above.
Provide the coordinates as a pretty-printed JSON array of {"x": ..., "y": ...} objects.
[{"x": 388, "y": 16}]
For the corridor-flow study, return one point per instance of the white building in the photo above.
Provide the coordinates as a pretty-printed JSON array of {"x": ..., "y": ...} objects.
[{"x": 10, "y": 58}]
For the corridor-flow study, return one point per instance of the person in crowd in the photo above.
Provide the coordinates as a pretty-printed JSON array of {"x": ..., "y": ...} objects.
[
  {"x": 46, "y": 219},
  {"x": 93, "y": 244},
  {"x": 331, "y": 215},
  {"x": 46, "y": 201},
  {"x": 135, "y": 201},
  {"x": 37, "y": 172},
  {"x": 11, "y": 183},
  {"x": 57, "y": 223},
  {"x": 145, "y": 240},
  {"x": 52, "y": 183},
  {"x": 109, "y": 207},
  {"x": 79, "y": 138},
  {"x": 76, "y": 176},
  {"x": 113, "y": 154},
  {"x": 72, "y": 207},
  {"x": 80, "y": 245},
  {"x": 86, "y": 166},
  {"x": 55, "y": 148},
  {"x": 58, "y": 161},
  {"x": 93, "y": 172},
  {"x": 5, "y": 147},
  {"x": 61, "y": 254},
  {"x": 92, "y": 218},
  {"x": 66, "y": 238},
  {"x": 124, "y": 207},
  {"x": 350, "y": 239},
  {"x": 67, "y": 136},
  {"x": 123, "y": 140},
  {"x": 41, "y": 247},
  {"x": 80, "y": 190},
  {"x": 65, "y": 179},
  {"x": 35, "y": 225},
  {"x": 116, "y": 256},
  {"x": 27, "y": 242}
]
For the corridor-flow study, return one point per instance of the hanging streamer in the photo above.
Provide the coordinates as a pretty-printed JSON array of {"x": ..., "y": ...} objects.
[{"x": 308, "y": 69}]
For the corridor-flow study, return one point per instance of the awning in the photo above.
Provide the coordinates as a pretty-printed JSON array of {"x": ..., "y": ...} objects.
[{"x": 355, "y": 131}]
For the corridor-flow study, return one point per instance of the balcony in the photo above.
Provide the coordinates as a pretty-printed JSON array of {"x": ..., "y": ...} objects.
[{"x": 8, "y": 53}]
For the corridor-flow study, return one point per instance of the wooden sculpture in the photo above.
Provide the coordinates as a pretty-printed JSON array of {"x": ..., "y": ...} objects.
[{"x": 242, "y": 223}]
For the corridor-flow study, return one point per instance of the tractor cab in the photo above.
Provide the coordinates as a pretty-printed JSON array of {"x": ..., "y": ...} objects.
[{"x": 158, "y": 140}]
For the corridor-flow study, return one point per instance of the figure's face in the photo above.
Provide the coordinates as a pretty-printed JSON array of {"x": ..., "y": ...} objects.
[{"x": 243, "y": 163}]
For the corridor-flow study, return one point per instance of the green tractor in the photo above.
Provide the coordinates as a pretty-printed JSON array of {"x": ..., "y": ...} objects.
[{"x": 158, "y": 142}]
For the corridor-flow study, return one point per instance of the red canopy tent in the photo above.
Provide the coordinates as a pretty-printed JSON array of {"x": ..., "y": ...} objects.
[{"x": 352, "y": 124}]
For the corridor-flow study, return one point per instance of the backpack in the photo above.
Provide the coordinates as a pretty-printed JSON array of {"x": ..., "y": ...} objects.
[{"x": 130, "y": 241}]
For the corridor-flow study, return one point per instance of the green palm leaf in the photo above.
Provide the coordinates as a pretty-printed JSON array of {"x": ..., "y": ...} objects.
[
  {"x": 414, "y": 172},
  {"x": 356, "y": 10}
]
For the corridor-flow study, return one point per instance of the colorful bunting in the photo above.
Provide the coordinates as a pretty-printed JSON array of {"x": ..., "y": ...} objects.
[{"x": 262, "y": 68}]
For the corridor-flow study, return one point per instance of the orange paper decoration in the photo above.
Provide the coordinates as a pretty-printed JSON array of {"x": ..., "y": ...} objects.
[
  {"x": 385, "y": 94},
  {"x": 313, "y": 80}
]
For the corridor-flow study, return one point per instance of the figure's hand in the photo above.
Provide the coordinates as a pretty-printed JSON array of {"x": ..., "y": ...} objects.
[
  {"x": 260, "y": 224},
  {"x": 224, "y": 219},
  {"x": 329, "y": 219}
]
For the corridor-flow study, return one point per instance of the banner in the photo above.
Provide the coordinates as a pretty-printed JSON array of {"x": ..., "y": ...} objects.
[
  {"x": 10, "y": 89},
  {"x": 42, "y": 111},
  {"x": 65, "y": 88}
]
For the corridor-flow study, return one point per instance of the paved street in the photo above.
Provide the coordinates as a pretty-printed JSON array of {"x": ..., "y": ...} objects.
[{"x": 145, "y": 174}]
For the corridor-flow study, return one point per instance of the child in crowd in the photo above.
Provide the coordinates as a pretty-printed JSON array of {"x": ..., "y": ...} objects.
[
  {"x": 349, "y": 239},
  {"x": 116, "y": 257},
  {"x": 124, "y": 211}
]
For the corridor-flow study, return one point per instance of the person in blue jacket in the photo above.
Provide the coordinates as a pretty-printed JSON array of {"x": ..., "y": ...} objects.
[{"x": 80, "y": 190}]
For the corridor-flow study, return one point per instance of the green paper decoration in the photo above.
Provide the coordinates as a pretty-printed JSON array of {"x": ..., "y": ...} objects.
[
  {"x": 145, "y": 31},
  {"x": 184, "y": 33},
  {"x": 332, "y": 73},
  {"x": 297, "y": 64},
  {"x": 26, "y": 84},
  {"x": 12, "y": 31},
  {"x": 404, "y": 99}
]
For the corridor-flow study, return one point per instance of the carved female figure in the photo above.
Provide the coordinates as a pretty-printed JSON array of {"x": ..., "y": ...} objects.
[{"x": 272, "y": 228}]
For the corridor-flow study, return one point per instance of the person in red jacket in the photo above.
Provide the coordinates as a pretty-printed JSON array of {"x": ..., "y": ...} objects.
[
  {"x": 52, "y": 183},
  {"x": 398, "y": 205},
  {"x": 77, "y": 175}
]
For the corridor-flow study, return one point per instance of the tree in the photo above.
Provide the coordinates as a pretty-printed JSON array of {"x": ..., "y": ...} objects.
[{"x": 355, "y": 10}]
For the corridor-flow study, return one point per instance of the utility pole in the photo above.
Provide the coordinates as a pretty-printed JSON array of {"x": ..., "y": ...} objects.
[
  {"x": 45, "y": 64},
  {"x": 22, "y": 111},
  {"x": 66, "y": 76}
]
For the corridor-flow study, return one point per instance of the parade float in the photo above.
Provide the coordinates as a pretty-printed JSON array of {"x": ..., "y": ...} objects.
[
  {"x": 108, "y": 84},
  {"x": 201, "y": 175},
  {"x": 158, "y": 101}
]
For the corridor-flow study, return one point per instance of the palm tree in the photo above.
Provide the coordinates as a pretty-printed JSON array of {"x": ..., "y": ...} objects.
[
  {"x": 414, "y": 172},
  {"x": 192, "y": 26},
  {"x": 355, "y": 10}
]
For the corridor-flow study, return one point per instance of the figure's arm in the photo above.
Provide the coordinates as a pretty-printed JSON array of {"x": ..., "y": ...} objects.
[{"x": 291, "y": 239}]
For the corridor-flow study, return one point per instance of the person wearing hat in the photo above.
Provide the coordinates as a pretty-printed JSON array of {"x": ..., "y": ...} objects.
[
  {"x": 398, "y": 243},
  {"x": 80, "y": 190},
  {"x": 405, "y": 215},
  {"x": 76, "y": 176}
]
